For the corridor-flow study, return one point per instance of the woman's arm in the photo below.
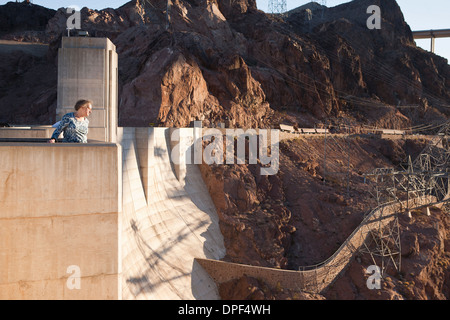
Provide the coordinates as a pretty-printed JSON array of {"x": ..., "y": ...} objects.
[{"x": 62, "y": 125}]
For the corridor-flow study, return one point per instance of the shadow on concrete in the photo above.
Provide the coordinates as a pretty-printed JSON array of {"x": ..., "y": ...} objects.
[{"x": 160, "y": 271}]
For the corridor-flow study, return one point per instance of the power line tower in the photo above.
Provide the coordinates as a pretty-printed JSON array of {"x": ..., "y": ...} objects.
[
  {"x": 324, "y": 5},
  {"x": 322, "y": 2},
  {"x": 418, "y": 184},
  {"x": 277, "y": 6}
]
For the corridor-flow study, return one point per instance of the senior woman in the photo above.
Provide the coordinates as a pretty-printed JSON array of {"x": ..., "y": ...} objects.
[{"x": 74, "y": 124}]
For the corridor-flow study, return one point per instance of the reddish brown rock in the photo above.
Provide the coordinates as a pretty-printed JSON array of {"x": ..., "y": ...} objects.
[{"x": 226, "y": 61}]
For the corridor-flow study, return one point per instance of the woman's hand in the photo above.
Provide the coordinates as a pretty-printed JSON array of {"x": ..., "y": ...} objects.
[{"x": 51, "y": 141}]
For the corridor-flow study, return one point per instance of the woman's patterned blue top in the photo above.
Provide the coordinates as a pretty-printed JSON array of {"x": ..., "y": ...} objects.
[{"x": 74, "y": 130}]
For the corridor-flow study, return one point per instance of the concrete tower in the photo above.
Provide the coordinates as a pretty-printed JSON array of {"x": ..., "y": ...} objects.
[{"x": 87, "y": 69}]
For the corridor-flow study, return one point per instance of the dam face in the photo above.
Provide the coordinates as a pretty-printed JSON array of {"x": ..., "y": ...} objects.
[{"x": 104, "y": 221}]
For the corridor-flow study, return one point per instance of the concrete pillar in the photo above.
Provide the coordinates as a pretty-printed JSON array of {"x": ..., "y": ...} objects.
[
  {"x": 87, "y": 69},
  {"x": 182, "y": 150}
]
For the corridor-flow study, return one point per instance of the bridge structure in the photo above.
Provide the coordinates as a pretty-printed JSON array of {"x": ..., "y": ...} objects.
[{"x": 431, "y": 34}]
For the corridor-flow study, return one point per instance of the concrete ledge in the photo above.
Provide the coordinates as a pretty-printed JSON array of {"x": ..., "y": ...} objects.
[
  {"x": 40, "y": 141},
  {"x": 60, "y": 206},
  {"x": 26, "y": 132}
]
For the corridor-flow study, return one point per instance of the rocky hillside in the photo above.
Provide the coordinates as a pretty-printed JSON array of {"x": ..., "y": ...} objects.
[
  {"x": 300, "y": 217},
  {"x": 22, "y": 17},
  {"x": 227, "y": 60}
]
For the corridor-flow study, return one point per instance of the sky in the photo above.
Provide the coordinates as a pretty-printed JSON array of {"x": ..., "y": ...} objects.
[{"x": 419, "y": 14}]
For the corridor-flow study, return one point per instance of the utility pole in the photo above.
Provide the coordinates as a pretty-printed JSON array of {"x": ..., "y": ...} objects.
[
  {"x": 324, "y": 4},
  {"x": 277, "y": 6}
]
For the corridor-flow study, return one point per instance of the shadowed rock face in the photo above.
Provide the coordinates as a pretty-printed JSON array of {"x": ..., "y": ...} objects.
[
  {"x": 226, "y": 60},
  {"x": 23, "y": 17}
]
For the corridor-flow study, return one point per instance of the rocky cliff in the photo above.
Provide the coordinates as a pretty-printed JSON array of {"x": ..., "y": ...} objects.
[
  {"x": 23, "y": 17},
  {"x": 226, "y": 60}
]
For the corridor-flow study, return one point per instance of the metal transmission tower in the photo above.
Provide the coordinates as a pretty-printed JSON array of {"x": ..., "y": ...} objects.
[
  {"x": 324, "y": 5},
  {"x": 277, "y": 6},
  {"x": 416, "y": 185}
]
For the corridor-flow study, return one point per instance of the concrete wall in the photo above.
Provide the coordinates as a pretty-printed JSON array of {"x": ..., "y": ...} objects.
[
  {"x": 27, "y": 132},
  {"x": 181, "y": 142},
  {"x": 166, "y": 224},
  {"x": 60, "y": 206}
]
